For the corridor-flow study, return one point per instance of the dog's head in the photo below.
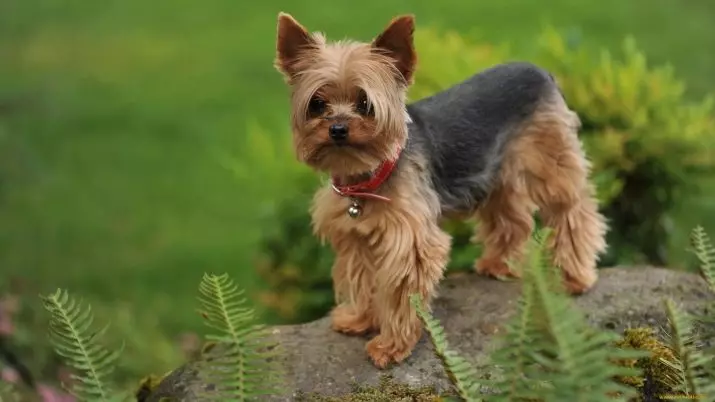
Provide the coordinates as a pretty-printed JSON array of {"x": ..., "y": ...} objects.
[{"x": 348, "y": 98}]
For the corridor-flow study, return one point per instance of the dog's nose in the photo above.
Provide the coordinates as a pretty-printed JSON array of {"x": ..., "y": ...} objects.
[{"x": 338, "y": 132}]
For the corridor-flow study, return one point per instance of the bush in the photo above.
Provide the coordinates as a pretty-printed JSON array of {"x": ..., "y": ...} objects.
[{"x": 650, "y": 148}]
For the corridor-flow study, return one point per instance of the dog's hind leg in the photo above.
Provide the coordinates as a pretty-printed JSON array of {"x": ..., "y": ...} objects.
[
  {"x": 505, "y": 224},
  {"x": 556, "y": 174}
]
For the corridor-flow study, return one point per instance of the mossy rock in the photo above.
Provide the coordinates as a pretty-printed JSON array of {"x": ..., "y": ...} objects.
[{"x": 472, "y": 310}]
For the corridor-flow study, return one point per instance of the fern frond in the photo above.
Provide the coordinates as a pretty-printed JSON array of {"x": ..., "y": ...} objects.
[
  {"x": 549, "y": 352},
  {"x": 692, "y": 364},
  {"x": 73, "y": 338},
  {"x": 460, "y": 371},
  {"x": 243, "y": 367},
  {"x": 705, "y": 252}
]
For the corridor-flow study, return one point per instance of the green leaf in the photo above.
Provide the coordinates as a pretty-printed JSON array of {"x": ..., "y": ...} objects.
[
  {"x": 242, "y": 365},
  {"x": 463, "y": 375},
  {"x": 72, "y": 336}
]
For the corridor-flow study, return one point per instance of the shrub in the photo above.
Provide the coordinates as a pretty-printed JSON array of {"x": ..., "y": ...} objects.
[{"x": 650, "y": 149}]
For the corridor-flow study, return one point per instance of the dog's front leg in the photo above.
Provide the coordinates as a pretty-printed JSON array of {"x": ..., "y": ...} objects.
[
  {"x": 352, "y": 273},
  {"x": 353, "y": 268},
  {"x": 412, "y": 255}
]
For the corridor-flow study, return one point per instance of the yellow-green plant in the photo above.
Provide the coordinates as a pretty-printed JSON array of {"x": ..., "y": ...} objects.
[
  {"x": 74, "y": 337},
  {"x": 241, "y": 370},
  {"x": 245, "y": 367},
  {"x": 693, "y": 366},
  {"x": 702, "y": 247},
  {"x": 460, "y": 371},
  {"x": 548, "y": 352}
]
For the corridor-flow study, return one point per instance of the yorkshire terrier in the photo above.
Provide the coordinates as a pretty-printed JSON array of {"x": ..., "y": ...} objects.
[{"x": 500, "y": 146}]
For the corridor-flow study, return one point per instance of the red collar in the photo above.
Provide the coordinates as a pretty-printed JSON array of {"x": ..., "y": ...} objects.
[{"x": 367, "y": 188}]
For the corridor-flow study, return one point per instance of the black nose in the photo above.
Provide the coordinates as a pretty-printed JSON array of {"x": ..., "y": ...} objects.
[{"x": 338, "y": 132}]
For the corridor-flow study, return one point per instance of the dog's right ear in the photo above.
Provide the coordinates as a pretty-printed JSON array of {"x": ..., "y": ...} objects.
[{"x": 291, "y": 41}]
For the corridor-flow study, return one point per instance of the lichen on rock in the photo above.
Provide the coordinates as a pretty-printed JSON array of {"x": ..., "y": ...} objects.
[
  {"x": 387, "y": 390},
  {"x": 660, "y": 376}
]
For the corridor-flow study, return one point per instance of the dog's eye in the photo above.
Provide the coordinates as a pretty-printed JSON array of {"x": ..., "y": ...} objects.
[
  {"x": 316, "y": 107},
  {"x": 363, "y": 105}
]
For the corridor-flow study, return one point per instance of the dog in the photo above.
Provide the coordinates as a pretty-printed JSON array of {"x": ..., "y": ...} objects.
[{"x": 501, "y": 146}]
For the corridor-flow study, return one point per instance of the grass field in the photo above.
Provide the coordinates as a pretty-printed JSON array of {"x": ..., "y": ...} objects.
[{"x": 114, "y": 116}]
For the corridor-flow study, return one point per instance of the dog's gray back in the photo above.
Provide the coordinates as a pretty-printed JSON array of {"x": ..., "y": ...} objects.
[{"x": 462, "y": 131}]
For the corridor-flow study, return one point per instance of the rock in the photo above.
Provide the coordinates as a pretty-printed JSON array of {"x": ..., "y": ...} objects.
[{"x": 472, "y": 309}]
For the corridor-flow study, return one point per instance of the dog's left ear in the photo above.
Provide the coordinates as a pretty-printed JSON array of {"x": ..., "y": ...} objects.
[{"x": 397, "y": 42}]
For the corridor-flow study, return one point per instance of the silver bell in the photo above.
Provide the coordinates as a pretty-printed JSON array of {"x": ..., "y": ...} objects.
[{"x": 354, "y": 210}]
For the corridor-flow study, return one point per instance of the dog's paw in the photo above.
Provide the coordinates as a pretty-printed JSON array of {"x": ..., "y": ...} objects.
[
  {"x": 383, "y": 351},
  {"x": 495, "y": 268},
  {"x": 346, "y": 321},
  {"x": 581, "y": 285}
]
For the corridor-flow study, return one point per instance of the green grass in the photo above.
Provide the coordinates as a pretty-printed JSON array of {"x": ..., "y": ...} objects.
[{"x": 111, "y": 178}]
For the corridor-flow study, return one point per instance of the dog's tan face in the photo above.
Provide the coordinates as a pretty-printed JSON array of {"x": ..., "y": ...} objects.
[{"x": 348, "y": 98}]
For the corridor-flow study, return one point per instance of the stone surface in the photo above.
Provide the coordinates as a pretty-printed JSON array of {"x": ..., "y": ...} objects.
[{"x": 472, "y": 309}]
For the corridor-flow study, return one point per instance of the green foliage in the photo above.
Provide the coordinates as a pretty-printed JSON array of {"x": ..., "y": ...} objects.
[
  {"x": 703, "y": 249},
  {"x": 460, "y": 371},
  {"x": 74, "y": 339},
  {"x": 692, "y": 364},
  {"x": 650, "y": 148},
  {"x": 549, "y": 352},
  {"x": 244, "y": 368}
]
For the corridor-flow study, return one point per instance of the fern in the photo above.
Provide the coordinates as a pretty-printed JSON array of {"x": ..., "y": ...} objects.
[
  {"x": 244, "y": 368},
  {"x": 72, "y": 337},
  {"x": 702, "y": 247},
  {"x": 692, "y": 365},
  {"x": 705, "y": 252},
  {"x": 548, "y": 352},
  {"x": 460, "y": 371}
]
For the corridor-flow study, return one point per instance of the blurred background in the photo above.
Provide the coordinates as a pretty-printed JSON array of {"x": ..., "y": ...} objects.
[{"x": 143, "y": 143}]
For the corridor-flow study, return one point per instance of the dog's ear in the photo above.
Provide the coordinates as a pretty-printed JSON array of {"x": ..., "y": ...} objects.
[
  {"x": 397, "y": 42},
  {"x": 291, "y": 41}
]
